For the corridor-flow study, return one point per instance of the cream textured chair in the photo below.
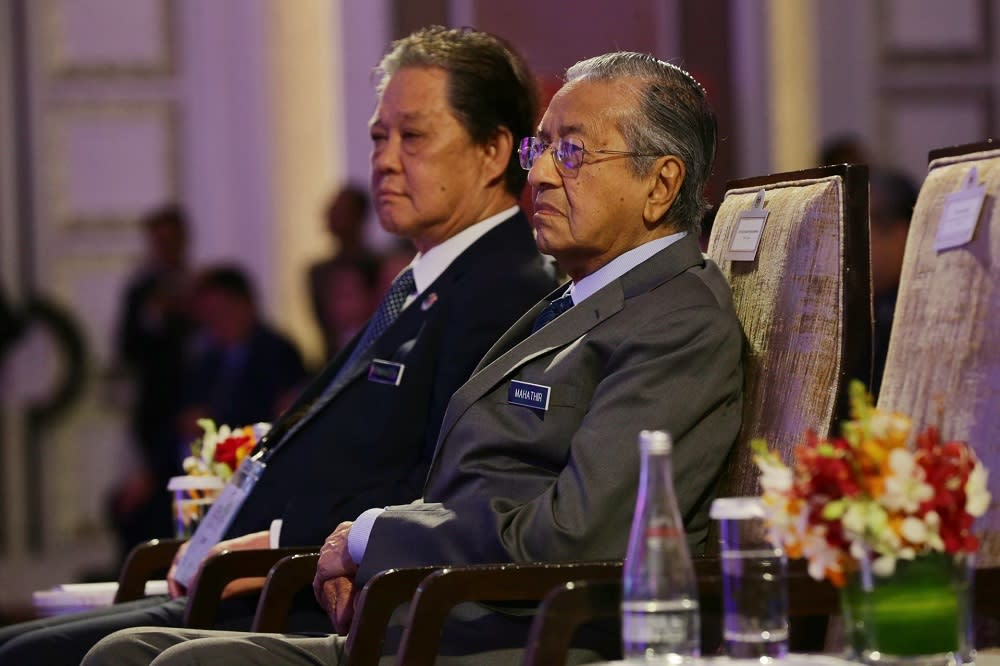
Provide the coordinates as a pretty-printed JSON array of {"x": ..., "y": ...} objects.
[
  {"x": 943, "y": 366},
  {"x": 804, "y": 302}
]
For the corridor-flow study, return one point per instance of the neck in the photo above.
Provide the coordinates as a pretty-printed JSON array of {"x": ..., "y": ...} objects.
[{"x": 495, "y": 202}]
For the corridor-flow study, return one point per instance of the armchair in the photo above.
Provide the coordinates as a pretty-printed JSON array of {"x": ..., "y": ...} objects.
[
  {"x": 804, "y": 303},
  {"x": 943, "y": 366}
]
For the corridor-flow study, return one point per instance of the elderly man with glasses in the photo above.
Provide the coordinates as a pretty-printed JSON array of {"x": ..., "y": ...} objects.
[{"x": 537, "y": 457}]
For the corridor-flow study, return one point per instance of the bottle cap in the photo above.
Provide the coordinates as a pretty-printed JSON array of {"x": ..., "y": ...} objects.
[
  {"x": 654, "y": 441},
  {"x": 737, "y": 508}
]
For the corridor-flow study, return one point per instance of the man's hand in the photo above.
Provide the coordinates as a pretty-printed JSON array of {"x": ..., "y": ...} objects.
[
  {"x": 333, "y": 584},
  {"x": 254, "y": 540}
]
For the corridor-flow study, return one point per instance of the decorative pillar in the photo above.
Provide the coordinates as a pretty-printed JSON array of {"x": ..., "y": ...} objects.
[
  {"x": 792, "y": 38},
  {"x": 307, "y": 123}
]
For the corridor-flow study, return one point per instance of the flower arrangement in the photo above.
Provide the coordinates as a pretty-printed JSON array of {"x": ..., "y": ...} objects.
[
  {"x": 867, "y": 494},
  {"x": 219, "y": 451}
]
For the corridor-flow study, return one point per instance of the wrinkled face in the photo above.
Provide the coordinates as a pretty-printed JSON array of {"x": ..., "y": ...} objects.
[
  {"x": 587, "y": 219},
  {"x": 427, "y": 175}
]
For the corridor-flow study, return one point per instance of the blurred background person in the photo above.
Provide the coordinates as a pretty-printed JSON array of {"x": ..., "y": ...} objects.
[
  {"x": 243, "y": 370},
  {"x": 349, "y": 298},
  {"x": 391, "y": 263},
  {"x": 345, "y": 219},
  {"x": 892, "y": 196},
  {"x": 844, "y": 149},
  {"x": 153, "y": 330}
]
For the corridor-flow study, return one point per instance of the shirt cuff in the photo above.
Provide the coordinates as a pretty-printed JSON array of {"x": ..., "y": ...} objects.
[
  {"x": 274, "y": 534},
  {"x": 357, "y": 538}
]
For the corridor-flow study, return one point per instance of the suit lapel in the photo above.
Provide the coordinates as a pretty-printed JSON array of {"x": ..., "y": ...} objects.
[
  {"x": 508, "y": 234},
  {"x": 563, "y": 330},
  {"x": 518, "y": 346}
]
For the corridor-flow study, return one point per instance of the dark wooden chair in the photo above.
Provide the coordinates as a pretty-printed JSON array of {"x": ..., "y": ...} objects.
[
  {"x": 153, "y": 558},
  {"x": 569, "y": 606},
  {"x": 144, "y": 563}
]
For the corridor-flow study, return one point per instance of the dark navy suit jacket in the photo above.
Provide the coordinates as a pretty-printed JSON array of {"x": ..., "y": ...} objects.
[{"x": 371, "y": 445}]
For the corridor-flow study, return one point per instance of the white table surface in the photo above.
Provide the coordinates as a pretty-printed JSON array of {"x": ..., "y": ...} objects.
[{"x": 988, "y": 657}]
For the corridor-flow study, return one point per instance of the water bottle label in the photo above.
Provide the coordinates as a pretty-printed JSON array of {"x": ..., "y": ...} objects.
[{"x": 673, "y": 623}]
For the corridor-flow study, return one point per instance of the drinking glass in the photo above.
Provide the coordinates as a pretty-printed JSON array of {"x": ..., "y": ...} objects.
[{"x": 754, "y": 582}]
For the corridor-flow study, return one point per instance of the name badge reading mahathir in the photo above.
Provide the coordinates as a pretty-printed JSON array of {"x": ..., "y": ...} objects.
[
  {"x": 526, "y": 394},
  {"x": 386, "y": 372}
]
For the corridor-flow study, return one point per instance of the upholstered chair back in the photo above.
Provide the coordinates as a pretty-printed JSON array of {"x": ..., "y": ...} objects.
[
  {"x": 943, "y": 366},
  {"x": 804, "y": 303}
]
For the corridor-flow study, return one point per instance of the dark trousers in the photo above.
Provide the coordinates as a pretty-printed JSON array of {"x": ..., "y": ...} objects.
[{"x": 67, "y": 638}]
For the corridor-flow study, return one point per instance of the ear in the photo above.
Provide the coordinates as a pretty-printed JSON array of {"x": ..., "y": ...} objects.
[
  {"x": 497, "y": 151},
  {"x": 664, "y": 185}
]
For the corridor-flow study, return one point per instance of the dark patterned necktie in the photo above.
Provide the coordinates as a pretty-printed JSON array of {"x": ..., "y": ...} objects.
[
  {"x": 552, "y": 310},
  {"x": 388, "y": 310},
  {"x": 390, "y": 307}
]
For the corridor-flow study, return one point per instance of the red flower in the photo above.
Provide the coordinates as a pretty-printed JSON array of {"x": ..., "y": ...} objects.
[{"x": 227, "y": 451}]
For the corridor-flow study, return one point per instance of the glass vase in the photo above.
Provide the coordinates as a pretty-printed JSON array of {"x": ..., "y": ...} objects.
[{"x": 918, "y": 616}]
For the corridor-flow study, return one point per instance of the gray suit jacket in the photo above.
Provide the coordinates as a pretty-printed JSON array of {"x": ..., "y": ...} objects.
[{"x": 658, "y": 348}]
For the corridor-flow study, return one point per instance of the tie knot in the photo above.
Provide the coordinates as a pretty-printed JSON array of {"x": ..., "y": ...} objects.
[
  {"x": 553, "y": 310},
  {"x": 404, "y": 283}
]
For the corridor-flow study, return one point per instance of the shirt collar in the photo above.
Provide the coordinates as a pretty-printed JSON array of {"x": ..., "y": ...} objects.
[
  {"x": 620, "y": 265},
  {"x": 428, "y": 266}
]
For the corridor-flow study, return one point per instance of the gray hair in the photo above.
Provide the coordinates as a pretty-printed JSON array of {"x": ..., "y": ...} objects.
[{"x": 672, "y": 117}]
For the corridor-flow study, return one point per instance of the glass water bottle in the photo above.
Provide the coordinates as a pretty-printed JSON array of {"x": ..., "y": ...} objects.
[{"x": 660, "y": 595}]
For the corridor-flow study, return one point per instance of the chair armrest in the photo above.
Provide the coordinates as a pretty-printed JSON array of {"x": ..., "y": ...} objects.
[
  {"x": 561, "y": 613},
  {"x": 143, "y": 562},
  {"x": 284, "y": 580},
  {"x": 986, "y": 601},
  {"x": 444, "y": 589},
  {"x": 218, "y": 571},
  {"x": 379, "y": 598}
]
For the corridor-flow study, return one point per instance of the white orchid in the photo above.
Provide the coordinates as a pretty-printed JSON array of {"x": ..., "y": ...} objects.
[
  {"x": 977, "y": 498},
  {"x": 905, "y": 486}
]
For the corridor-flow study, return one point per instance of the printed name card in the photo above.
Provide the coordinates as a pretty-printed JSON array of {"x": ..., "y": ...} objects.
[
  {"x": 749, "y": 229},
  {"x": 960, "y": 214},
  {"x": 386, "y": 372},
  {"x": 526, "y": 394}
]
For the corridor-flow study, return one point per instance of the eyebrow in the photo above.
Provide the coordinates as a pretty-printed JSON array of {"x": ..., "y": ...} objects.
[
  {"x": 562, "y": 131},
  {"x": 409, "y": 116}
]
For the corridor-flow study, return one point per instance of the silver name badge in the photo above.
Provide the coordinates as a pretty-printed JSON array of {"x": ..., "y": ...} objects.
[
  {"x": 218, "y": 519},
  {"x": 526, "y": 394},
  {"x": 386, "y": 372}
]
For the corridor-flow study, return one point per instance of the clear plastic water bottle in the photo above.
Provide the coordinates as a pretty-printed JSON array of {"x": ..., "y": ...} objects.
[{"x": 660, "y": 619}]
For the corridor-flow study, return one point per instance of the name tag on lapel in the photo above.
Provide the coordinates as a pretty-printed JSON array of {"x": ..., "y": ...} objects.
[
  {"x": 526, "y": 394},
  {"x": 386, "y": 372}
]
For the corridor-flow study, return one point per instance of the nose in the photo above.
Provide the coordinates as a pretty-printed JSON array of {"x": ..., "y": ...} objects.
[
  {"x": 543, "y": 172},
  {"x": 385, "y": 156}
]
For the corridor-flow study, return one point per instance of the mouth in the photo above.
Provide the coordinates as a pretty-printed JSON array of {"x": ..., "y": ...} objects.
[
  {"x": 546, "y": 209},
  {"x": 387, "y": 195}
]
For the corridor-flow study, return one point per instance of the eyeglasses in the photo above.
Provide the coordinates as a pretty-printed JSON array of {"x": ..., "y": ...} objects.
[{"x": 568, "y": 153}]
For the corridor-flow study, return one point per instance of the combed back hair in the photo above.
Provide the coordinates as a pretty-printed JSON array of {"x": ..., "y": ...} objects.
[
  {"x": 672, "y": 117},
  {"x": 489, "y": 84}
]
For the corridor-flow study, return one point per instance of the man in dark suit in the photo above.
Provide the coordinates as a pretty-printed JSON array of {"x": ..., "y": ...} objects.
[
  {"x": 537, "y": 458},
  {"x": 244, "y": 370},
  {"x": 444, "y": 174}
]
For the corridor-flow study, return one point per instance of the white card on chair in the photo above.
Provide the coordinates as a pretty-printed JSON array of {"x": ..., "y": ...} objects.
[
  {"x": 749, "y": 229},
  {"x": 960, "y": 214}
]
